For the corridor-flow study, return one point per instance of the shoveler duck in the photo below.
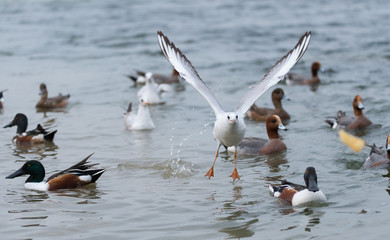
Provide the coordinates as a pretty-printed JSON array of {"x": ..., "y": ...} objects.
[
  {"x": 151, "y": 91},
  {"x": 342, "y": 121},
  {"x": 262, "y": 114},
  {"x": 298, "y": 79},
  {"x": 299, "y": 195},
  {"x": 75, "y": 176},
  {"x": 140, "y": 121},
  {"x": 2, "y": 99},
  {"x": 261, "y": 146},
  {"x": 379, "y": 157},
  {"x": 38, "y": 135},
  {"x": 158, "y": 78},
  {"x": 60, "y": 101}
]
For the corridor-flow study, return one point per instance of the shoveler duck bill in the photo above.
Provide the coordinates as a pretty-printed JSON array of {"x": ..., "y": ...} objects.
[
  {"x": 11, "y": 124},
  {"x": 18, "y": 173},
  {"x": 311, "y": 179}
]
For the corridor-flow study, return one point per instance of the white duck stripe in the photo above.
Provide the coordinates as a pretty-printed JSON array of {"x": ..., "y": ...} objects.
[
  {"x": 180, "y": 62},
  {"x": 275, "y": 74}
]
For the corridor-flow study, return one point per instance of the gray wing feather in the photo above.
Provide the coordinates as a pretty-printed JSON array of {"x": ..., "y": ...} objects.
[
  {"x": 275, "y": 74},
  {"x": 180, "y": 62}
]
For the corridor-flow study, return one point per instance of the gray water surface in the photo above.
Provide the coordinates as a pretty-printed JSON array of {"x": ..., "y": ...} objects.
[{"x": 154, "y": 186}]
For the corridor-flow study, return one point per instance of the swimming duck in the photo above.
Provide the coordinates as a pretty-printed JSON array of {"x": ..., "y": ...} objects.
[
  {"x": 38, "y": 135},
  {"x": 158, "y": 78},
  {"x": 2, "y": 99},
  {"x": 140, "y": 121},
  {"x": 379, "y": 157},
  {"x": 151, "y": 91},
  {"x": 298, "y": 195},
  {"x": 54, "y": 102},
  {"x": 75, "y": 176},
  {"x": 262, "y": 114},
  {"x": 343, "y": 121},
  {"x": 297, "y": 79},
  {"x": 261, "y": 146}
]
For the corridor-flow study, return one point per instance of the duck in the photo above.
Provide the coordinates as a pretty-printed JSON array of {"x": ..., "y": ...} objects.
[
  {"x": 61, "y": 101},
  {"x": 298, "y": 79},
  {"x": 158, "y": 78},
  {"x": 342, "y": 121},
  {"x": 38, "y": 135},
  {"x": 256, "y": 113},
  {"x": 2, "y": 99},
  {"x": 77, "y": 175},
  {"x": 299, "y": 195},
  {"x": 261, "y": 146},
  {"x": 151, "y": 91},
  {"x": 140, "y": 121},
  {"x": 379, "y": 157}
]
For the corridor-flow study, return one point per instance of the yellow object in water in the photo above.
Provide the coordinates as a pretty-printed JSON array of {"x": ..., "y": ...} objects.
[{"x": 355, "y": 143}]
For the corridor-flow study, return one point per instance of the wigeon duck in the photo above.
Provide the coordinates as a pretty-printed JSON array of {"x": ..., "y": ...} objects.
[
  {"x": 38, "y": 135},
  {"x": 151, "y": 92},
  {"x": 343, "y": 121},
  {"x": 262, "y": 114},
  {"x": 140, "y": 121},
  {"x": 54, "y": 102},
  {"x": 298, "y": 195},
  {"x": 297, "y": 79},
  {"x": 229, "y": 127},
  {"x": 2, "y": 99},
  {"x": 158, "y": 78},
  {"x": 261, "y": 146},
  {"x": 75, "y": 176},
  {"x": 379, "y": 157}
]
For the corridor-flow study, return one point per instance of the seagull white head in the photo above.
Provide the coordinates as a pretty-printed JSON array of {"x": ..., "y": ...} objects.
[
  {"x": 148, "y": 75},
  {"x": 232, "y": 117}
]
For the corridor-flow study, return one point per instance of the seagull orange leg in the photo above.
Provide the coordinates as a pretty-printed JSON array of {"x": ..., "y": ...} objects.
[
  {"x": 235, "y": 173},
  {"x": 210, "y": 173}
]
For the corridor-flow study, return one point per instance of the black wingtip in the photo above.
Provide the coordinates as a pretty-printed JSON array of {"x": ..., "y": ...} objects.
[{"x": 129, "y": 107}]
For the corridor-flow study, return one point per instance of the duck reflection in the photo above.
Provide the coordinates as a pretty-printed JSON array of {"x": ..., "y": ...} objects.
[
  {"x": 38, "y": 151},
  {"x": 388, "y": 176},
  {"x": 314, "y": 217}
]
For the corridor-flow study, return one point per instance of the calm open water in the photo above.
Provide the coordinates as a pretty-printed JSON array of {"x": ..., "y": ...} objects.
[{"x": 154, "y": 186}]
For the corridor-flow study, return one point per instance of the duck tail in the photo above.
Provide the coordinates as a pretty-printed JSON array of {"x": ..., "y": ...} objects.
[
  {"x": 95, "y": 174},
  {"x": 50, "y": 136},
  {"x": 331, "y": 123},
  {"x": 275, "y": 191},
  {"x": 134, "y": 79}
]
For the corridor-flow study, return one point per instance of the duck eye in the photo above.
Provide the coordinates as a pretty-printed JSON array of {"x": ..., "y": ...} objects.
[
  {"x": 273, "y": 120},
  {"x": 236, "y": 117},
  {"x": 29, "y": 165}
]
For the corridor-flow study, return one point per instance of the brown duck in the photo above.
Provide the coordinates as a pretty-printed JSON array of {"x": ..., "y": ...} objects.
[
  {"x": 262, "y": 114},
  {"x": 298, "y": 79},
  {"x": 60, "y": 101},
  {"x": 342, "y": 121},
  {"x": 261, "y": 146}
]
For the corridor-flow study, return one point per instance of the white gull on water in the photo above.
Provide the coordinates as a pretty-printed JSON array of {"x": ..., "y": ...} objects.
[{"x": 229, "y": 127}]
